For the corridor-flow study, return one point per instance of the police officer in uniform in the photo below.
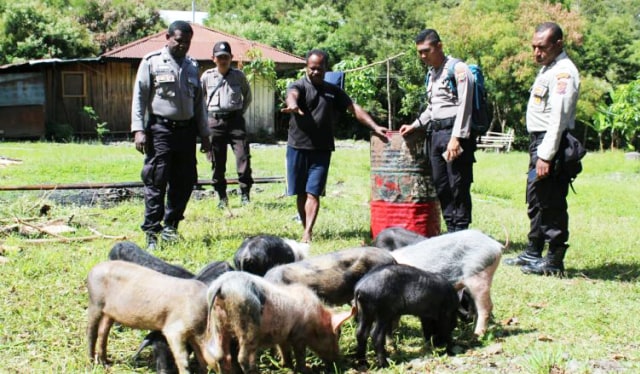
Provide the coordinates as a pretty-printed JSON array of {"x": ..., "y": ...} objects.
[
  {"x": 447, "y": 119},
  {"x": 166, "y": 116},
  {"x": 228, "y": 95},
  {"x": 551, "y": 112}
]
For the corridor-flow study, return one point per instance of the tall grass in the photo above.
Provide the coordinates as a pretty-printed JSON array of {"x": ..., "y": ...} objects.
[{"x": 579, "y": 324}]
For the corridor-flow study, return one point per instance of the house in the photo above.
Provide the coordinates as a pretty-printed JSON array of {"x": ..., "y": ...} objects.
[{"x": 53, "y": 92}]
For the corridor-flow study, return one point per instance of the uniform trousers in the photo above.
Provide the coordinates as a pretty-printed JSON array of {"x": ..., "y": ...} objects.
[
  {"x": 169, "y": 171},
  {"x": 453, "y": 179},
  {"x": 231, "y": 131},
  {"x": 547, "y": 202}
]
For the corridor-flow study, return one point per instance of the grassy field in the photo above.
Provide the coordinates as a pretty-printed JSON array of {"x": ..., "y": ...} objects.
[{"x": 583, "y": 323}]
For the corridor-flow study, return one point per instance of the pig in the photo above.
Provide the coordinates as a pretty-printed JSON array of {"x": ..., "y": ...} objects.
[
  {"x": 333, "y": 275},
  {"x": 212, "y": 271},
  {"x": 142, "y": 298},
  {"x": 468, "y": 258},
  {"x": 257, "y": 254},
  {"x": 161, "y": 352},
  {"x": 396, "y": 237},
  {"x": 131, "y": 252},
  {"x": 257, "y": 314},
  {"x": 390, "y": 291}
]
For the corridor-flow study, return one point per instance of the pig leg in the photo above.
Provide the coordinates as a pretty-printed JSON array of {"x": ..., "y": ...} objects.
[
  {"x": 95, "y": 314},
  {"x": 177, "y": 345},
  {"x": 427, "y": 328},
  {"x": 378, "y": 335},
  {"x": 197, "y": 350},
  {"x": 479, "y": 287},
  {"x": 285, "y": 354},
  {"x": 103, "y": 334},
  {"x": 247, "y": 354},
  {"x": 362, "y": 334},
  {"x": 300, "y": 352}
]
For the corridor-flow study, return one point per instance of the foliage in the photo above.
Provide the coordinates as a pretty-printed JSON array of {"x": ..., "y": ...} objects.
[
  {"x": 101, "y": 127},
  {"x": 259, "y": 67},
  {"x": 114, "y": 23},
  {"x": 33, "y": 31},
  {"x": 623, "y": 115}
]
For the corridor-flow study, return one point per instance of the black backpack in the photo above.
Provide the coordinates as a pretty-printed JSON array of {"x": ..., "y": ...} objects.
[{"x": 481, "y": 114}]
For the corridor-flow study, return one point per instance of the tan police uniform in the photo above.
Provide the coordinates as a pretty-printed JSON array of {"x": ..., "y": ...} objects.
[
  {"x": 447, "y": 115},
  {"x": 227, "y": 98},
  {"x": 168, "y": 106},
  {"x": 550, "y": 112}
]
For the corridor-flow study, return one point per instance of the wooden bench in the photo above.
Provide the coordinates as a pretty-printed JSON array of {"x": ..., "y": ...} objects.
[{"x": 498, "y": 141}]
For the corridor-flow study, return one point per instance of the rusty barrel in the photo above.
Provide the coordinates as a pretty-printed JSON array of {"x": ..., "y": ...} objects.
[{"x": 402, "y": 191}]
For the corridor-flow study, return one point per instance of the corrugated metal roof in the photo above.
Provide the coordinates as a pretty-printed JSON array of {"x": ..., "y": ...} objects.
[{"x": 201, "y": 47}]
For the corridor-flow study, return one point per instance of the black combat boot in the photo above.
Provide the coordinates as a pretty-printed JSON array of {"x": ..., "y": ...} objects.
[
  {"x": 170, "y": 232},
  {"x": 152, "y": 241},
  {"x": 552, "y": 264},
  {"x": 244, "y": 196},
  {"x": 531, "y": 254},
  {"x": 224, "y": 200}
]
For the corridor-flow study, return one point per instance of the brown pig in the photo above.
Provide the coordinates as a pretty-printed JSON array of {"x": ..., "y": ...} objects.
[
  {"x": 334, "y": 275},
  {"x": 255, "y": 313},
  {"x": 141, "y": 298}
]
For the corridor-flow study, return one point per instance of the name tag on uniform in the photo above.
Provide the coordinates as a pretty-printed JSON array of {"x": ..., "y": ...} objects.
[{"x": 163, "y": 78}]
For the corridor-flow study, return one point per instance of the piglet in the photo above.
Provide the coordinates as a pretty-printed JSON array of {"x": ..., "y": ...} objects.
[
  {"x": 388, "y": 292},
  {"x": 396, "y": 237},
  {"x": 333, "y": 275},
  {"x": 257, "y": 314},
  {"x": 257, "y": 254},
  {"x": 131, "y": 252},
  {"x": 141, "y": 298},
  {"x": 467, "y": 258}
]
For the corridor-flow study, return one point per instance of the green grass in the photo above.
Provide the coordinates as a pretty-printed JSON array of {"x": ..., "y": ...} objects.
[{"x": 583, "y": 323}]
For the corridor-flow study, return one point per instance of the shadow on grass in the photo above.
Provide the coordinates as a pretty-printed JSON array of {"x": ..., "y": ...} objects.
[{"x": 610, "y": 271}]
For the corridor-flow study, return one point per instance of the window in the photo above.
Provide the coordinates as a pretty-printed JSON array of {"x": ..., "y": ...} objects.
[{"x": 73, "y": 84}]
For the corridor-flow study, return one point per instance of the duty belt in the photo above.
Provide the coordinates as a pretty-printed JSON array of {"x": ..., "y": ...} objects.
[
  {"x": 442, "y": 124},
  {"x": 224, "y": 115},
  {"x": 173, "y": 123}
]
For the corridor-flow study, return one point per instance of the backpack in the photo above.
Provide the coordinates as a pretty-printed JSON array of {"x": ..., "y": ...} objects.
[{"x": 481, "y": 114}]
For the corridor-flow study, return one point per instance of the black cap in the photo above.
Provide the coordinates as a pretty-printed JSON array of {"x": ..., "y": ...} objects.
[{"x": 221, "y": 48}]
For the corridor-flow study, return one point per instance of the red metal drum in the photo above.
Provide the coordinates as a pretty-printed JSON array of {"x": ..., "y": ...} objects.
[{"x": 402, "y": 191}]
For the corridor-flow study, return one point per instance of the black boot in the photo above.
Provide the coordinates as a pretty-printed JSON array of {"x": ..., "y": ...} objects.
[
  {"x": 531, "y": 254},
  {"x": 152, "y": 241},
  {"x": 552, "y": 264},
  {"x": 224, "y": 200},
  {"x": 170, "y": 232},
  {"x": 244, "y": 196}
]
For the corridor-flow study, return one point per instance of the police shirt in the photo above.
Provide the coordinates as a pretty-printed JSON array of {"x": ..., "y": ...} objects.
[
  {"x": 232, "y": 95},
  {"x": 167, "y": 89},
  {"x": 443, "y": 103},
  {"x": 322, "y": 105},
  {"x": 552, "y": 104}
]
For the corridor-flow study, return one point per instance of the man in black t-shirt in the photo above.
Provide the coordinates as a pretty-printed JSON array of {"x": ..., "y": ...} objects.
[{"x": 315, "y": 108}]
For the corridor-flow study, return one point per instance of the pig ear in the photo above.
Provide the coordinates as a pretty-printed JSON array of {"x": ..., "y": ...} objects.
[{"x": 338, "y": 319}]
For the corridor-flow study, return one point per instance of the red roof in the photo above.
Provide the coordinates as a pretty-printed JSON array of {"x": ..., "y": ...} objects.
[{"x": 202, "y": 45}]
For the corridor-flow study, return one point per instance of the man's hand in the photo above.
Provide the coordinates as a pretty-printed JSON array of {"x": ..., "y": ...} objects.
[
  {"x": 140, "y": 139},
  {"x": 453, "y": 149},
  {"x": 292, "y": 109},
  {"x": 543, "y": 168},
  {"x": 406, "y": 129},
  {"x": 380, "y": 132},
  {"x": 205, "y": 144}
]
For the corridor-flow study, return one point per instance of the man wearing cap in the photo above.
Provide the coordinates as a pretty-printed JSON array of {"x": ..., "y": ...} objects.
[
  {"x": 228, "y": 95},
  {"x": 167, "y": 92}
]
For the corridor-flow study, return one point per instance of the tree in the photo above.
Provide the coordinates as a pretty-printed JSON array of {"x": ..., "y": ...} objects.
[
  {"x": 121, "y": 23},
  {"x": 35, "y": 31}
]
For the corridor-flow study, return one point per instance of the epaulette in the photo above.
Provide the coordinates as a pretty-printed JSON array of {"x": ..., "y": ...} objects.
[
  {"x": 152, "y": 54},
  {"x": 193, "y": 61}
]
